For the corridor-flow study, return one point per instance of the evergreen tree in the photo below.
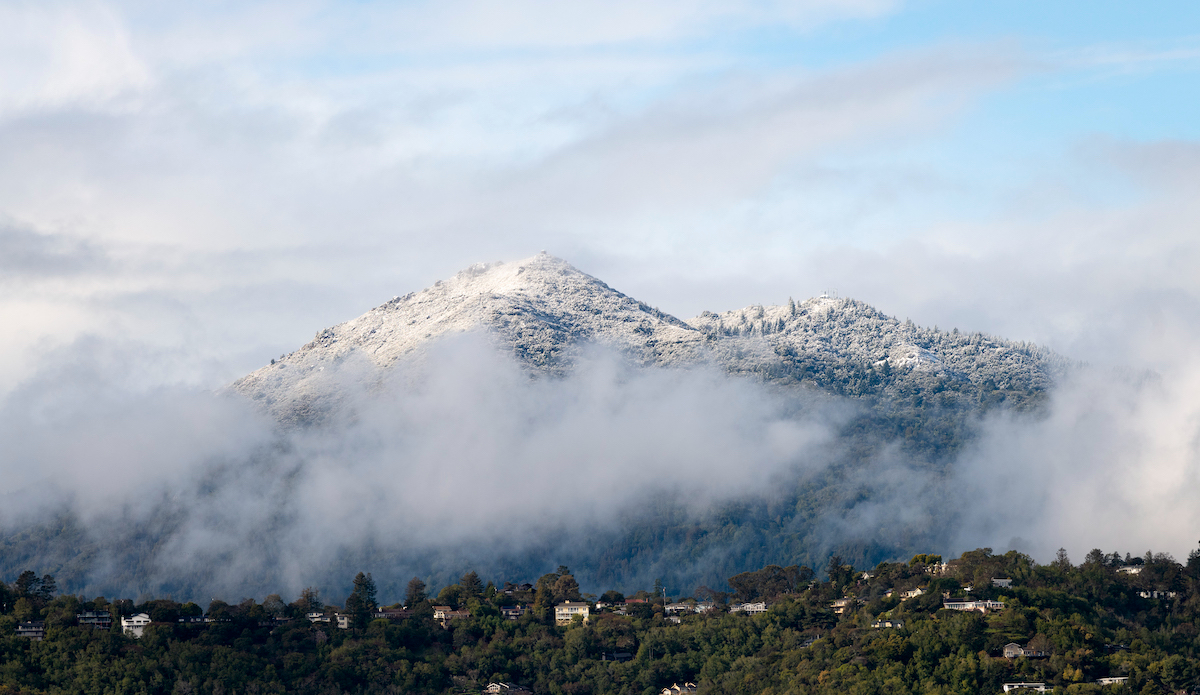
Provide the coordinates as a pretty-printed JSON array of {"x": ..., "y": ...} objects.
[
  {"x": 310, "y": 600},
  {"x": 472, "y": 586},
  {"x": 415, "y": 593},
  {"x": 27, "y": 584},
  {"x": 47, "y": 588},
  {"x": 566, "y": 589},
  {"x": 361, "y": 602}
]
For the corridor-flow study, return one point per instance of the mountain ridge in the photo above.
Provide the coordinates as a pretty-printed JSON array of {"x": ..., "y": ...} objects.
[
  {"x": 894, "y": 403},
  {"x": 543, "y": 311}
]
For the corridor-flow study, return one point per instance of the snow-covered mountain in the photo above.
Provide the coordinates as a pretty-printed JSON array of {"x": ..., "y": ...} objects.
[
  {"x": 543, "y": 311},
  {"x": 825, "y": 332}
]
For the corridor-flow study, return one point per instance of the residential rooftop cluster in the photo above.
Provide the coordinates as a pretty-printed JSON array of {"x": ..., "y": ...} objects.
[{"x": 1002, "y": 592}]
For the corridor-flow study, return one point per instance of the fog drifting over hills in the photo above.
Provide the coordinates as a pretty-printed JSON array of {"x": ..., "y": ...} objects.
[
  {"x": 189, "y": 191},
  {"x": 462, "y": 458}
]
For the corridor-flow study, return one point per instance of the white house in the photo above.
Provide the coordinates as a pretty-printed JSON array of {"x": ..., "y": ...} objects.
[
  {"x": 1012, "y": 650},
  {"x": 1001, "y": 582},
  {"x": 564, "y": 612},
  {"x": 912, "y": 593},
  {"x": 134, "y": 625},
  {"x": 1036, "y": 687},
  {"x": 981, "y": 606},
  {"x": 751, "y": 608},
  {"x": 887, "y": 623},
  {"x": 1113, "y": 680},
  {"x": 1130, "y": 569},
  {"x": 511, "y": 688}
]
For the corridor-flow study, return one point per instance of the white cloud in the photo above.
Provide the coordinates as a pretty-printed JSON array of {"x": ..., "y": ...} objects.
[{"x": 65, "y": 55}]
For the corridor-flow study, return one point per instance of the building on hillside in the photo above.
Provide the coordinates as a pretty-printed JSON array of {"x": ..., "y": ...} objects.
[
  {"x": 135, "y": 625},
  {"x": 439, "y": 612},
  {"x": 1157, "y": 594},
  {"x": 841, "y": 605},
  {"x": 514, "y": 612},
  {"x": 939, "y": 570},
  {"x": 98, "y": 620},
  {"x": 878, "y": 624},
  {"x": 1113, "y": 680},
  {"x": 342, "y": 620},
  {"x": 195, "y": 620},
  {"x": 981, "y": 606},
  {"x": 912, "y": 593},
  {"x": 1002, "y": 582},
  {"x": 1130, "y": 569},
  {"x": 391, "y": 614},
  {"x": 1012, "y": 650},
  {"x": 565, "y": 612},
  {"x": 461, "y": 614},
  {"x": 810, "y": 641},
  {"x": 34, "y": 630},
  {"x": 317, "y": 617},
  {"x": 688, "y": 607},
  {"x": 678, "y": 689},
  {"x": 511, "y": 688},
  {"x": 751, "y": 608},
  {"x": 1036, "y": 687}
]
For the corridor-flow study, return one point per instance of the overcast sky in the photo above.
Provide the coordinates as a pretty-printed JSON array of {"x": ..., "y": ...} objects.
[{"x": 208, "y": 184}]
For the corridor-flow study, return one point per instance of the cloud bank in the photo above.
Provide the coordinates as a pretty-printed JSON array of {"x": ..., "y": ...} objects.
[
  {"x": 461, "y": 460},
  {"x": 466, "y": 455}
]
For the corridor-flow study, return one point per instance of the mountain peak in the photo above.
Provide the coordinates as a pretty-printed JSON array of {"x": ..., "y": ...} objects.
[
  {"x": 543, "y": 311},
  {"x": 540, "y": 309}
]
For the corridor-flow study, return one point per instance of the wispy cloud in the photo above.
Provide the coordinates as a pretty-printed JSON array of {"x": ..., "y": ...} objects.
[{"x": 27, "y": 255}]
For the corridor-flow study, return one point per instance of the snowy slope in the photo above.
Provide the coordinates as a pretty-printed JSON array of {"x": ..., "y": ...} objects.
[
  {"x": 541, "y": 309},
  {"x": 845, "y": 331}
]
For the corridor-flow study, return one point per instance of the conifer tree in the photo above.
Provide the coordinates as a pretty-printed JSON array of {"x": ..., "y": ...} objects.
[{"x": 415, "y": 593}]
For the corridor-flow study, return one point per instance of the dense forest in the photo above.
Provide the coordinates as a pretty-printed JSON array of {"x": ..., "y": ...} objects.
[{"x": 885, "y": 630}]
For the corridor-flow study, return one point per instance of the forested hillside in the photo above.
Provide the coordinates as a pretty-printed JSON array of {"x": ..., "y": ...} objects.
[{"x": 1132, "y": 618}]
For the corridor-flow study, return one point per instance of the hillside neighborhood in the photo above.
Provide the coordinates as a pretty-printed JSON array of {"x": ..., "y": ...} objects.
[{"x": 862, "y": 610}]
